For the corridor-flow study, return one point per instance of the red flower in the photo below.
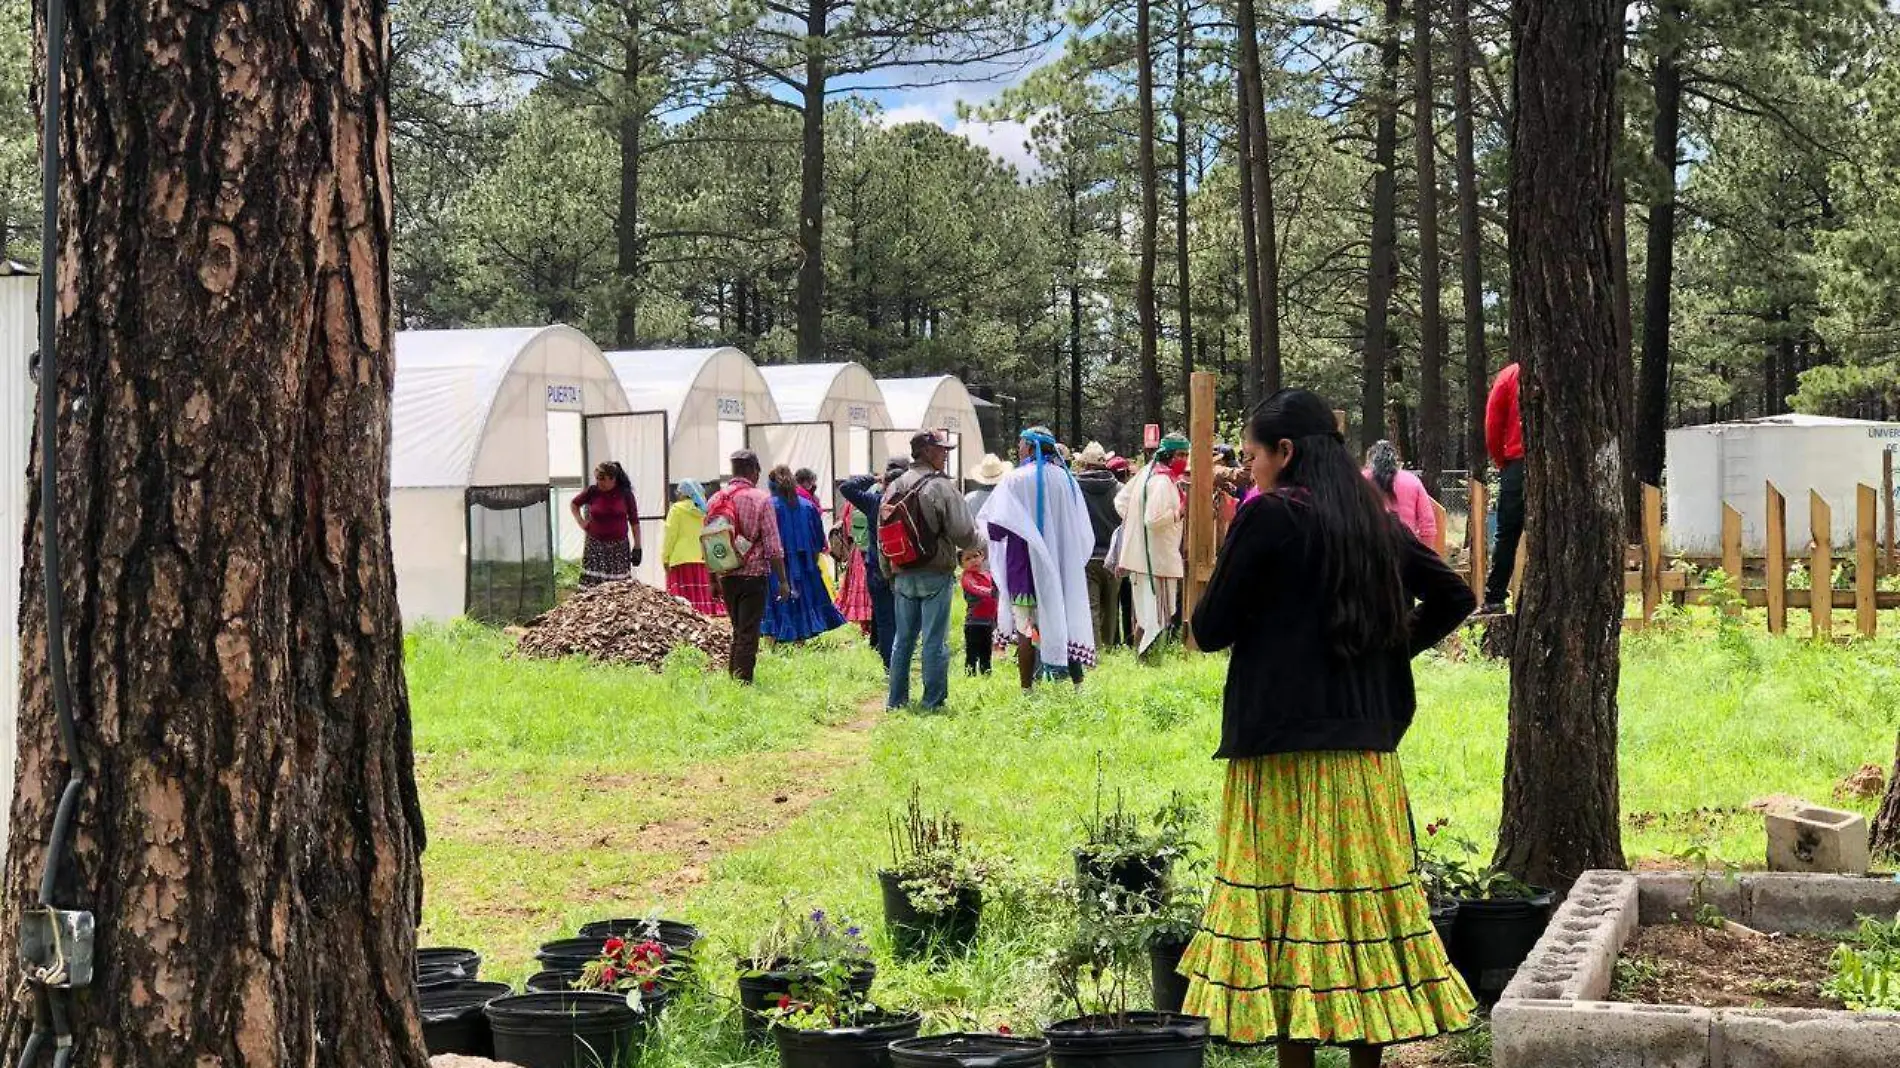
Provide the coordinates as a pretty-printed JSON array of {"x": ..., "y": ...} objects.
[
  {"x": 608, "y": 974},
  {"x": 613, "y": 946},
  {"x": 1004, "y": 1030},
  {"x": 784, "y": 1002},
  {"x": 648, "y": 987},
  {"x": 652, "y": 951}
]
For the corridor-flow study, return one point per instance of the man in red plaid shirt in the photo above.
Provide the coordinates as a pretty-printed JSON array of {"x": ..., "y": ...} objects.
[{"x": 745, "y": 589}]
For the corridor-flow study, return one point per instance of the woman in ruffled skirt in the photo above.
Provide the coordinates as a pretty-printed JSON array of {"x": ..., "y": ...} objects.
[{"x": 1317, "y": 930}]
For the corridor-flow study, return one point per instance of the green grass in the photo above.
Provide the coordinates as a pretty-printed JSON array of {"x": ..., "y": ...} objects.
[{"x": 539, "y": 778}]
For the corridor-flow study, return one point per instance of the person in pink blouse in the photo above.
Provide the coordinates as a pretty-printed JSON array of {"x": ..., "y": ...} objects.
[{"x": 1403, "y": 493}]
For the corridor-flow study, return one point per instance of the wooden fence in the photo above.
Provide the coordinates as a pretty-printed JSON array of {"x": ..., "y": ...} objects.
[{"x": 1754, "y": 581}]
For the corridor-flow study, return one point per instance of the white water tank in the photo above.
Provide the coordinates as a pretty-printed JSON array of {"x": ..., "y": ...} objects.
[
  {"x": 1732, "y": 463},
  {"x": 19, "y": 329}
]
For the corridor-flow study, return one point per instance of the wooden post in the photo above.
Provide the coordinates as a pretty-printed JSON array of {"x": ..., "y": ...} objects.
[
  {"x": 1866, "y": 560},
  {"x": 1821, "y": 566},
  {"x": 1886, "y": 499},
  {"x": 1339, "y": 420},
  {"x": 1200, "y": 520},
  {"x": 1732, "y": 554},
  {"x": 1478, "y": 548},
  {"x": 1438, "y": 514},
  {"x": 1777, "y": 561},
  {"x": 1652, "y": 551}
]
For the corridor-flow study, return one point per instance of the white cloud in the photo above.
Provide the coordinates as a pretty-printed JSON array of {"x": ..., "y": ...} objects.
[{"x": 1007, "y": 141}]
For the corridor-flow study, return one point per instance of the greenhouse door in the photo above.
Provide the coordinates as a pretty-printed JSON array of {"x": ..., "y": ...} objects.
[
  {"x": 797, "y": 445},
  {"x": 510, "y": 553},
  {"x": 637, "y": 442}
]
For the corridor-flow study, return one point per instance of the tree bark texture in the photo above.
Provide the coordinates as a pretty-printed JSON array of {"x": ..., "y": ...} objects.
[
  {"x": 1470, "y": 242},
  {"x": 1266, "y": 373},
  {"x": 1433, "y": 423},
  {"x": 1184, "y": 294},
  {"x": 811, "y": 193},
  {"x": 1652, "y": 406},
  {"x": 1560, "y": 782},
  {"x": 1250, "y": 249},
  {"x": 249, "y": 836},
  {"x": 1886, "y": 831},
  {"x": 627, "y": 236},
  {"x": 1150, "y": 215},
  {"x": 1384, "y": 274}
]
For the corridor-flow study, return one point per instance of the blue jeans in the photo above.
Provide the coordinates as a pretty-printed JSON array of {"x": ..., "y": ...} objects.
[{"x": 922, "y": 603}]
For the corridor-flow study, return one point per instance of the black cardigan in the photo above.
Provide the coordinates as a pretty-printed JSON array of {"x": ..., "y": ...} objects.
[{"x": 1286, "y": 691}]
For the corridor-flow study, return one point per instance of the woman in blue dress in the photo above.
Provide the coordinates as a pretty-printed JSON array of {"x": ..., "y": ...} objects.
[{"x": 802, "y": 532}]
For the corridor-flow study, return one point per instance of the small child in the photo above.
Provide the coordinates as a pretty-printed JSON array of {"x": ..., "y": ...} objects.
[{"x": 979, "y": 624}]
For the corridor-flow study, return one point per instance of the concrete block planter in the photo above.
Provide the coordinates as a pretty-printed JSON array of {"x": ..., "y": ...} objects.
[{"x": 1553, "y": 1015}]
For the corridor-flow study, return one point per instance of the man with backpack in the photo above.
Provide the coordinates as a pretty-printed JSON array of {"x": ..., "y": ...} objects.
[
  {"x": 741, "y": 545},
  {"x": 922, "y": 525}
]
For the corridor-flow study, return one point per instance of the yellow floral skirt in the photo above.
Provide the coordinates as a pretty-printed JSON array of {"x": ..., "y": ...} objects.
[{"x": 1317, "y": 929}]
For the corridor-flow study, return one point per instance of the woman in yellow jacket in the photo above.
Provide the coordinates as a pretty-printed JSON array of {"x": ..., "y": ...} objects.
[{"x": 680, "y": 552}]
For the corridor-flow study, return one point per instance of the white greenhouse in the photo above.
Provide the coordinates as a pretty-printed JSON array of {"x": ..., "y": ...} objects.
[
  {"x": 487, "y": 434},
  {"x": 698, "y": 401},
  {"x": 939, "y": 403},
  {"x": 1732, "y": 463},
  {"x": 830, "y": 413},
  {"x": 19, "y": 329}
]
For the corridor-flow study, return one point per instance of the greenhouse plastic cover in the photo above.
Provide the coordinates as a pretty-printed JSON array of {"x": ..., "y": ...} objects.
[{"x": 699, "y": 390}]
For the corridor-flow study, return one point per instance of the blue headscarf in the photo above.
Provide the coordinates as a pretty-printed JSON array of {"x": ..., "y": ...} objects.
[
  {"x": 1045, "y": 444},
  {"x": 694, "y": 492}
]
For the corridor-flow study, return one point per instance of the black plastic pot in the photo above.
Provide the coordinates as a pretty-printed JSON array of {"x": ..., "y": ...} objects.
[
  {"x": 1444, "y": 920},
  {"x": 453, "y": 1020},
  {"x": 866, "y": 1046},
  {"x": 1164, "y": 968},
  {"x": 465, "y": 964},
  {"x": 675, "y": 935},
  {"x": 1136, "y": 877},
  {"x": 553, "y": 981},
  {"x": 914, "y": 933},
  {"x": 970, "y": 1051},
  {"x": 1490, "y": 939},
  {"x": 569, "y": 954},
  {"x": 439, "y": 978},
  {"x": 570, "y": 1030},
  {"x": 1141, "y": 1040},
  {"x": 760, "y": 987}
]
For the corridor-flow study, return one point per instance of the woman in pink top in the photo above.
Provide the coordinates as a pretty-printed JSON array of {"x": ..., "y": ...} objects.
[{"x": 1404, "y": 494}]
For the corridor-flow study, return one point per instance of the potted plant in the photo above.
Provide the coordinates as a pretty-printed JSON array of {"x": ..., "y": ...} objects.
[
  {"x": 1499, "y": 917},
  {"x": 801, "y": 952},
  {"x": 1171, "y": 928},
  {"x": 1132, "y": 855},
  {"x": 827, "y": 1022},
  {"x": 634, "y": 970},
  {"x": 970, "y": 1051},
  {"x": 1095, "y": 972},
  {"x": 933, "y": 890},
  {"x": 566, "y": 1029},
  {"x": 1438, "y": 874}
]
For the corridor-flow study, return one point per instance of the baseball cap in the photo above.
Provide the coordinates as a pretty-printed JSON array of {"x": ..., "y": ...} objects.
[{"x": 932, "y": 438}]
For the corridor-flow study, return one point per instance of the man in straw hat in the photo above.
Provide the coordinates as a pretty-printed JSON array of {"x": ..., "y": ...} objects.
[
  {"x": 1151, "y": 542},
  {"x": 1100, "y": 487},
  {"x": 984, "y": 479},
  {"x": 1040, "y": 542}
]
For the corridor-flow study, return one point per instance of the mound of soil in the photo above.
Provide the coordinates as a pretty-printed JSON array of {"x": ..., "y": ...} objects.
[
  {"x": 1688, "y": 964},
  {"x": 627, "y": 622}
]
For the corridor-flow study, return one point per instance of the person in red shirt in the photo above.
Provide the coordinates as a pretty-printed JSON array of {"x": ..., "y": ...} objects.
[
  {"x": 979, "y": 621},
  {"x": 746, "y": 590},
  {"x": 1504, "y": 440},
  {"x": 608, "y": 513}
]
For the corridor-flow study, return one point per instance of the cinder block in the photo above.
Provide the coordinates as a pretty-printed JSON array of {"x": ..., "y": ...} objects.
[
  {"x": 1575, "y": 960},
  {"x": 1816, "y": 904},
  {"x": 1542, "y": 1034},
  {"x": 1807, "y": 1038},
  {"x": 1816, "y": 839},
  {"x": 1665, "y": 897}
]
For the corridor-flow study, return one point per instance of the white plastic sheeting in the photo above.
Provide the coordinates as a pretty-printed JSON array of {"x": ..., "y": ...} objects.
[
  {"x": 939, "y": 403},
  {"x": 637, "y": 442},
  {"x": 842, "y": 394},
  {"x": 708, "y": 395},
  {"x": 798, "y": 445},
  {"x": 471, "y": 408},
  {"x": 1731, "y": 463},
  {"x": 19, "y": 327}
]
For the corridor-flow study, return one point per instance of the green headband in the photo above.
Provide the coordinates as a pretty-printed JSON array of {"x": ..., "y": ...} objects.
[{"x": 1174, "y": 443}]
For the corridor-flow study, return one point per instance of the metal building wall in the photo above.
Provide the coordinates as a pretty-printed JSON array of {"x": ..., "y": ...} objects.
[{"x": 19, "y": 321}]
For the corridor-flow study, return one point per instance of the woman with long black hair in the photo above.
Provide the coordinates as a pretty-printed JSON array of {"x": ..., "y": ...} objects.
[
  {"x": 608, "y": 513},
  {"x": 1317, "y": 931}
]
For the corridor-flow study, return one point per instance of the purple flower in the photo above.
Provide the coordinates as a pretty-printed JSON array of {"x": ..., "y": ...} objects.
[
  {"x": 853, "y": 932},
  {"x": 818, "y": 916}
]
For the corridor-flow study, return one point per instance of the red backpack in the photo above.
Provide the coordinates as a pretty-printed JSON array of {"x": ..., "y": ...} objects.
[{"x": 903, "y": 537}]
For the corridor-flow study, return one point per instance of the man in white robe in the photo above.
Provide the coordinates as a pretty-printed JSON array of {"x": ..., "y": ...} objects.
[
  {"x": 1040, "y": 543},
  {"x": 1154, "y": 518}
]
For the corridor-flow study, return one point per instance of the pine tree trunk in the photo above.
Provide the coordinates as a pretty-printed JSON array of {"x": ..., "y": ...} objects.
[
  {"x": 1250, "y": 249},
  {"x": 1652, "y": 406},
  {"x": 811, "y": 193},
  {"x": 1184, "y": 293},
  {"x": 1433, "y": 424},
  {"x": 1259, "y": 162},
  {"x": 248, "y": 840},
  {"x": 1886, "y": 834},
  {"x": 1150, "y": 217},
  {"x": 627, "y": 236},
  {"x": 1470, "y": 242},
  {"x": 1384, "y": 266},
  {"x": 1560, "y": 782}
]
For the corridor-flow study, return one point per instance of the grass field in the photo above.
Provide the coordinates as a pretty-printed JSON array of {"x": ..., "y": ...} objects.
[{"x": 562, "y": 792}]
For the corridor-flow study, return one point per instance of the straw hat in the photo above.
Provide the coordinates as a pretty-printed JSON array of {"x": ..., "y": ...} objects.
[
  {"x": 990, "y": 471},
  {"x": 1092, "y": 455}
]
